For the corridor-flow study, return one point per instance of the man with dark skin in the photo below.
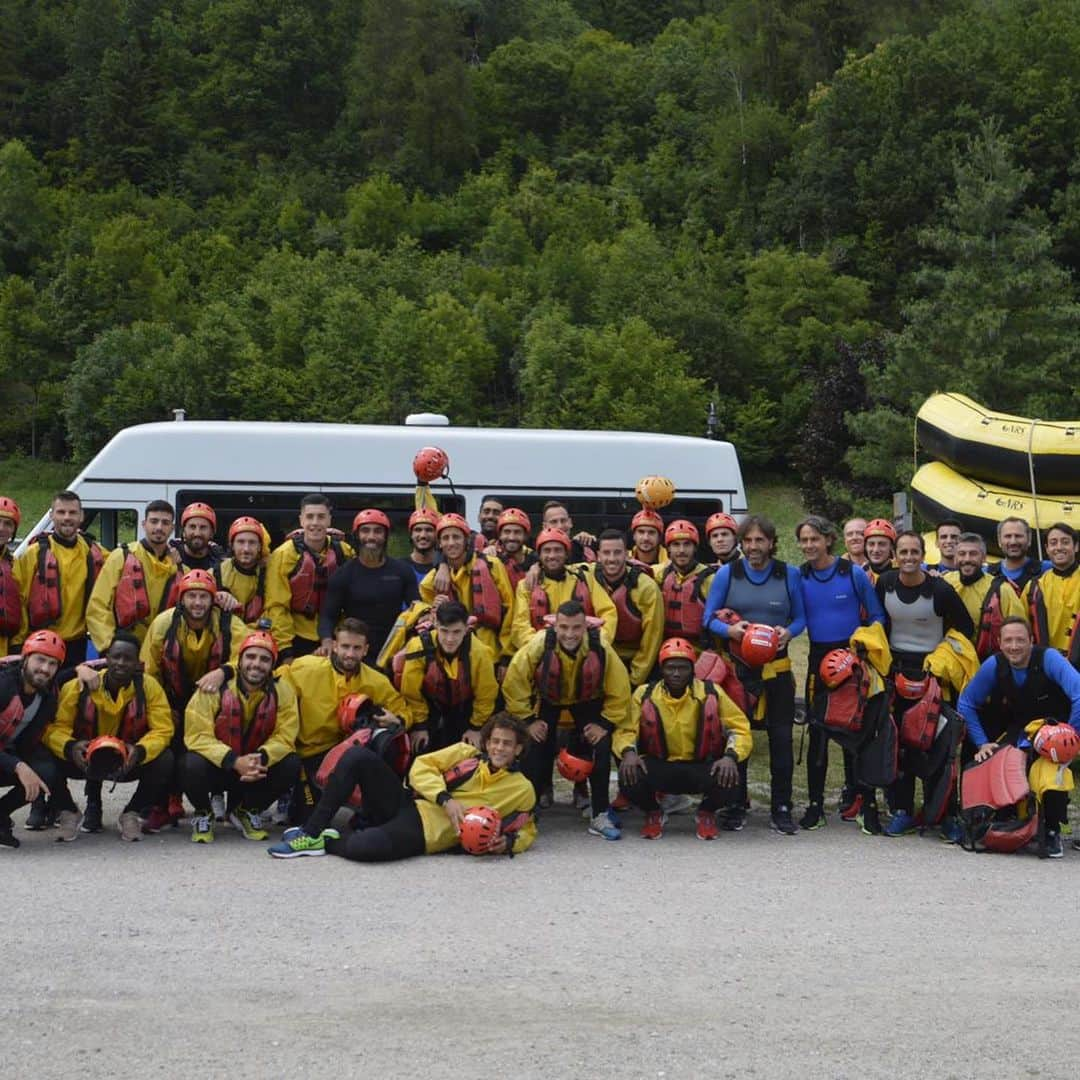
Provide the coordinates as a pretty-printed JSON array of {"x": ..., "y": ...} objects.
[{"x": 422, "y": 541}]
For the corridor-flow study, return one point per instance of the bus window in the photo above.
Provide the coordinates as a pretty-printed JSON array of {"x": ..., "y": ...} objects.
[{"x": 111, "y": 528}]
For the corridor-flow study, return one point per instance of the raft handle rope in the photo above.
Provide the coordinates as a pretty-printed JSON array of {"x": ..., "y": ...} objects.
[{"x": 1034, "y": 497}]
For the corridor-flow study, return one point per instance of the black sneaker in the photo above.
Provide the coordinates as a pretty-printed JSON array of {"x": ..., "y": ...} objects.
[
  {"x": 7, "y": 837},
  {"x": 814, "y": 818},
  {"x": 91, "y": 821},
  {"x": 39, "y": 817},
  {"x": 1054, "y": 848},
  {"x": 731, "y": 818},
  {"x": 870, "y": 820},
  {"x": 781, "y": 821}
]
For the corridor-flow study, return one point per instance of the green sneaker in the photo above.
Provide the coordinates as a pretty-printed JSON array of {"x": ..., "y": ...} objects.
[
  {"x": 202, "y": 829},
  {"x": 249, "y": 823},
  {"x": 295, "y": 842}
]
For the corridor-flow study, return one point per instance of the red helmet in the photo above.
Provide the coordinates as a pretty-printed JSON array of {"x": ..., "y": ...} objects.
[
  {"x": 573, "y": 768},
  {"x": 349, "y": 711},
  {"x": 105, "y": 757},
  {"x": 681, "y": 530},
  {"x": 430, "y": 464},
  {"x": 1058, "y": 742},
  {"x": 9, "y": 508},
  {"x": 678, "y": 648},
  {"x": 552, "y": 536},
  {"x": 370, "y": 517},
  {"x": 759, "y": 645},
  {"x": 480, "y": 829},
  {"x": 46, "y": 643},
  {"x": 880, "y": 527},
  {"x": 251, "y": 525},
  {"x": 648, "y": 519},
  {"x": 452, "y": 521},
  {"x": 260, "y": 639},
  {"x": 513, "y": 516},
  {"x": 720, "y": 520},
  {"x": 837, "y": 667},
  {"x": 727, "y": 615},
  {"x": 423, "y": 516},
  {"x": 910, "y": 689},
  {"x": 197, "y": 579},
  {"x": 199, "y": 510}
]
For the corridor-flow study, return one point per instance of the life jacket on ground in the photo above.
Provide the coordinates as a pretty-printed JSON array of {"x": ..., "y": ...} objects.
[
  {"x": 590, "y": 680},
  {"x": 709, "y": 742},
  {"x": 988, "y": 787},
  {"x": 131, "y": 601},
  {"x": 44, "y": 605},
  {"x": 309, "y": 577},
  {"x": 487, "y": 605},
  {"x": 988, "y": 630},
  {"x": 684, "y": 604},
  {"x": 540, "y": 602},
  {"x": 133, "y": 722},
  {"x": 229, "y": 722},
  {"x": 629, "y": 626},
  {"x": 178, "y": 684},
  {"x": 390, "y": 743}
]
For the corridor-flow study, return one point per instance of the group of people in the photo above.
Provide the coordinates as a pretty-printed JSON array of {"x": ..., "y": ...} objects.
[{"x": 437, "y": 695}]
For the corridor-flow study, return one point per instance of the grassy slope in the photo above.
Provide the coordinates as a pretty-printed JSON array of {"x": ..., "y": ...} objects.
[{"x": 32, "y": 484}]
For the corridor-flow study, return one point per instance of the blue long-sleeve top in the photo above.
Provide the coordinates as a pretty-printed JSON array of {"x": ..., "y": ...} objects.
[
  {"x": 978, "y": 691},
  {"x": 718, "y": 592},
  {"x": 836, "y": 604}
]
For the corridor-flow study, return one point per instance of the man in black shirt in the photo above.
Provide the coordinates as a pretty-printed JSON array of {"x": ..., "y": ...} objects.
[{"x": 372, "y": 587}]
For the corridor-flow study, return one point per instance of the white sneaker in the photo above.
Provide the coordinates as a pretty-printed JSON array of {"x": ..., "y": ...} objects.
[
  {"x": 68, "y": 823},
  {"x": 217, "y": 807},
  {"x": 280, "y": 814},
  {"x": 676, "y": 804}
]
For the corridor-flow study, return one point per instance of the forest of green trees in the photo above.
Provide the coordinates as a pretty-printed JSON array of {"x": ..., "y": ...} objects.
[{"x": 588, "y": 213}]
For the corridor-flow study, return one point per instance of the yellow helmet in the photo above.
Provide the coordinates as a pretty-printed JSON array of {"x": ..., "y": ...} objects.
[{"x": 654, "y": 492}]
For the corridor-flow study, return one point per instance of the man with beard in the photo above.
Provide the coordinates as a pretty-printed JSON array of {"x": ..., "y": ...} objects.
[
  {"x": 555, "y": 515},
  {"x": 646, "y": 528},
  {"x": 989, "y": 598},
  {"x": 320, "y": 684},
  {"x": 1018, "y": 565},
  {"x": 721, "y": 531},
  {"x": 1054, "y": 597},
  {"x": 372, "y": 587},
  {"x": 241, "y": 739},
  {"x": 241, "y": 577},
  {"x": 684, "y": 583},
  {"x": 879, "y": 542},
  {"x": 488, "y": 517},
  {"x": 510, "y": 547},
  {"x": 855, "y": 542},
  {"x": 947, "y": 536},
  {"x": 195, "y": 548},
  {"x": 422, "y": 541},
  {"x": 27, "y": 707}
]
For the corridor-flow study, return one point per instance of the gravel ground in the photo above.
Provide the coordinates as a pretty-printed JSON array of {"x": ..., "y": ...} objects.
[{"x": 828, "y": 954}]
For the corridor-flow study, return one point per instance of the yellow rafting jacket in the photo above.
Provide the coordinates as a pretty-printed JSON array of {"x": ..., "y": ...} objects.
[
  {"x": 242, "y": 584},
  {"x": 662, "y": 557},
  {"x": 500, "y": 643},
  {"x": 319, "y": 688},
  {"x": 286, "y": 623},
  {"x": 520, "y": 695},
  {"x": 481, "y": 678},
  {"x": 201, "y": 715},
  {"x": 110, "y": 710},
  {"x": 558, "y": 592},
  {"x": 71, "y": 564},
  {"x": 705, "y": 583},
  {"x": 195, "y": 645},
  {"x": 506, "y": 791},
  {"x": 100, "y": 612},
  {"x": 679, "y": 715},
  {"x": 974, "y": 596},
  {"x": 1055, "y": 599},
  {"x": 639, "y": 658}
]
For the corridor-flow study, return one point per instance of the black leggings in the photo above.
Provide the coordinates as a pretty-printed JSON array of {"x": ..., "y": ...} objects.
[
  {"x": 540, "y": 757},
  {"x": 395, "y": 830},
  {"x": 152, "y": 777},
  {"x": 202, "y": 778},
  {"x": 779, "y": 715},
  {"x": 44, "y": 764},
  {"x": 679, "y": 778}
]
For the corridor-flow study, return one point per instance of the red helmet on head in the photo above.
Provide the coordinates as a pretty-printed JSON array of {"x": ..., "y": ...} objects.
[
  {"x": 677, "y": 648},
  {"x": 197, "y": 579},
  {"x": 46, "y": 643},
  {"x": 837, "y": 667},
  {"x": 573, "y": 768},
  {"x": 248, "y": 524},
  {"x": 423, "y": 516},
  {"x": 880, "y": 527},
  {"x": 199, "y": 510},
  {"x": 1060, "y": 743},
  {"x": 350, "y": 709},
  {"x": 480, "y": 829},
  {"x": 552, "y": 536},
  {"x": 513, "y": 516},
  {"x": 259, "y": 639},
  {"x": 370, "y": 517},
  {"x": 760, "y": 644},
  {"x": 429, "y": 464},
  {"x": 105, "y": 756},
  {"x": 452, "y": 521},
  {"x": 648, "y": 519},
  {"x": 9, "y": 508},
  {"x": 681, "y": 530},
  {"x": 720, "y": 520}
]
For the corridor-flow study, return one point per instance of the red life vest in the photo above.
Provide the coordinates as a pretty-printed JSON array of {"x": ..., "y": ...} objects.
[
  {"x": 515, "y": 571},
  {"x": 988, "y": 629},
  {"x": 178, "y": 683},
  {"x": 309, "y": 577},
  {"x": 540, "y": 602},
  {"x": 44, "y": 602},
  {"x": 133, "y": 723},
  {"x": 590, "y": 680},
  {"x": 251, "y": 611},
  {"x": 436, "y": 685},
  {"x": 709, "y": 741},
  {"x": 487, "y": 607},
  {"x": 10, "y": 600},
  {"x": 229, "y": 723},
  {"x": 131, "y": 602},
  {"x": 628, "y": 630},
  {"x": 10, "y": 719},
  {"x": 458, "y": 774},
  {"x": 684, "y": 605},
  {"x": 391, "y": 744}
]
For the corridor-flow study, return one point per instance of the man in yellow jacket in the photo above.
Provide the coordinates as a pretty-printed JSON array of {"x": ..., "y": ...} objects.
[
  {"x": 646, "y": 528},
  {"x": 446, "y": 784},
  {"x": 1054, "y": 597},
  {"x": 320, "y": 684},
  {"x": 11, "y": 605},
  {"x": 989, "y": 598},
  {"x": 555, "y": 584},
  {"x": 241, "y": 739},
  {"x": 241, "y": 576},
  {"x": 691, "y": 738},
  {"x": 567, "y": 674},
  {"x": 684, "y": 582},
  {"x": 129, "y": 705}
]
